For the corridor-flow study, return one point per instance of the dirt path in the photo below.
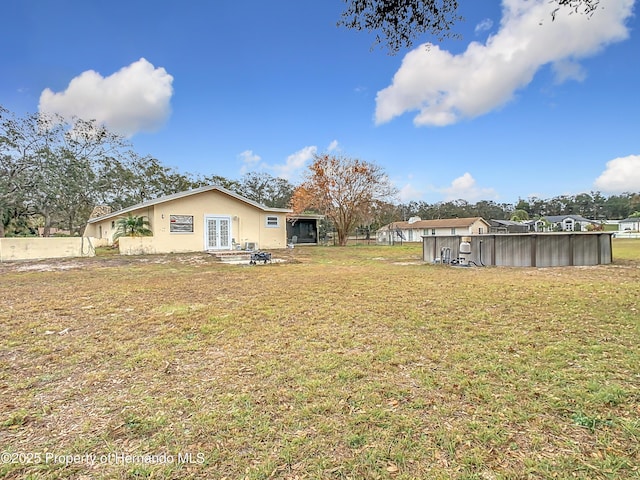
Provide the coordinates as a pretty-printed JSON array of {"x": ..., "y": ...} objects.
[{"x": 55, "y": 264}]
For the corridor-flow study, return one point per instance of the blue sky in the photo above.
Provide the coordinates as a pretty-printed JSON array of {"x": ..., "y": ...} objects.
[{"x": 520, "y": 106}]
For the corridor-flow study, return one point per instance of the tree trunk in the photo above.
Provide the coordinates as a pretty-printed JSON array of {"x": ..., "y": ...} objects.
[
  {"x": 72, "y": 217},
  {"x": 343, "y": 237},
  {"x": 46, "y": 232}
]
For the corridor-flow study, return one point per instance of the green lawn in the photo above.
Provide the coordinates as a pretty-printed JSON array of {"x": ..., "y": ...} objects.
[
  {"x": 626, "y": 249},
  {"x": 356, "y": 362}
]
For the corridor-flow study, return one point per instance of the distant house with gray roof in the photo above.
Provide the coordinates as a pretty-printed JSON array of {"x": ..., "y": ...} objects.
[
  {"x": 562, "y": 223},
  {"x": 415, "y": 228},
  {"x": 509, "y": 226},
  {"x": 631, "y": 224}
]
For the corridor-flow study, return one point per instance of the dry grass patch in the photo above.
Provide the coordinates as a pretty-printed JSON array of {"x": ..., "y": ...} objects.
[{"x": 354, "y": 362}]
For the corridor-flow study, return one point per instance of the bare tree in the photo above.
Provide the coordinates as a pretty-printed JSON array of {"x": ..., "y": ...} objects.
[{"x": 344, "y": 189}]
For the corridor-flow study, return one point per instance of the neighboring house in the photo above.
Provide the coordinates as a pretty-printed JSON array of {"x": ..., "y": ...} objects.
[
  {"x": 508, "y": 226},
  {"x": 631, "y": 224},
  {"x": 206, "y": 218},
  {"x": 415, "y": 228},
  {"x": 562, "y": 223},
  {"x": 54, "y": 231}
]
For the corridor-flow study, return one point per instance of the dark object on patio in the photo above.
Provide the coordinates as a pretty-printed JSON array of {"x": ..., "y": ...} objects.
[{"x": 260, "y": 257}]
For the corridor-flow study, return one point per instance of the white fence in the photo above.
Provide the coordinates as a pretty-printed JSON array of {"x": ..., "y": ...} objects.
[{"x": 626, "y": 235}]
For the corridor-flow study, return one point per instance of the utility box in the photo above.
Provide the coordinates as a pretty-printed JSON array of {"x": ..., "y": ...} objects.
[{"x": 464, "y": 252}]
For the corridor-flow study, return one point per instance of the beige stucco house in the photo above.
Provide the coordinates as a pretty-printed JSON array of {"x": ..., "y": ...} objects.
[
  {"x": 203, "y": 219},
  {"x": 415, "y": 228}
]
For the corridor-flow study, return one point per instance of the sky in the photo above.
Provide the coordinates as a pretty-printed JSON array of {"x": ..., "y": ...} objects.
[{"x": 521, "y": 105}]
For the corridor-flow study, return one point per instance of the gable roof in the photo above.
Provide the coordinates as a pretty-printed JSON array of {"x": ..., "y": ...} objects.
[
  {"x": 560, "y": 218},
  {"x": 438, "y": 223},
  {"x": 508, "y": 223},
  {"x": 195, "y": 191}
]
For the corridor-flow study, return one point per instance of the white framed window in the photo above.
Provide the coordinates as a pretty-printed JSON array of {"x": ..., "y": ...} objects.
[
  {"x": 181, "y": 223},
  {"x": 272, "y": 221}
]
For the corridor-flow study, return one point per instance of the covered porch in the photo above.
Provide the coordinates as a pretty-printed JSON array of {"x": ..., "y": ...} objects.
[{"x": 303, "y": 229}]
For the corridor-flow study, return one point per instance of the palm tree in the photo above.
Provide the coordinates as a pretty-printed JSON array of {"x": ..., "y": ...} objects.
[{"x": 132, "y": 226}]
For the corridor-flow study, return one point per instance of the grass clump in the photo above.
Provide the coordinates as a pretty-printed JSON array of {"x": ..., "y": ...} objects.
[{"x": 357, "y": 362}]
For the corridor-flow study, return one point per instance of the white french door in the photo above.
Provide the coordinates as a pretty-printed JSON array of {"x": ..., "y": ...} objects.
[{"x": 217, "y": 233}]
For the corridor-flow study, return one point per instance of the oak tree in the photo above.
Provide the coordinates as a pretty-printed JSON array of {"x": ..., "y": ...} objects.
[
  {"x": 398, "y": 23},
  {"x": 265, "y": 189},
  {"x": 48, "y": 166}
]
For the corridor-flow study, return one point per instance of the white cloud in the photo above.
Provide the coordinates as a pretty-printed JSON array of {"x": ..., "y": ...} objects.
[
  {"x": 465, "y": 188},
  {"x": 621, "y": 175},
  {"x": 568, "y": 70},
  {"x": 446, "y": 88},
  {"x": 134, "y": 99},
  {"x": 409, "y": 193},
  {"x": 291, "y": 167},
  {"x": 295, "y": 162},
  {"x": 249, "y": 157},
  {"x": 250, "y": 161},
  {"x": 483, "y": 26}
]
